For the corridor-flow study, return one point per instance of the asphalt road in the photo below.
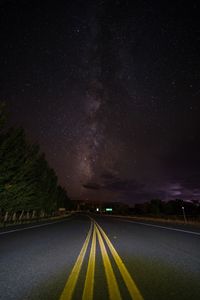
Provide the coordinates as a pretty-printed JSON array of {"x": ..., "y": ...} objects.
[{"x": 111, "y": 258}]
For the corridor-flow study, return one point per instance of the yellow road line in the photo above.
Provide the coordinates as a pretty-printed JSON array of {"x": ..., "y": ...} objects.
[
  {"x": 130, "y": 284},
  {"x": 72, "y": 280},
  {"x": 89, "y": 281},
  {"x": 113, "y": 289}
]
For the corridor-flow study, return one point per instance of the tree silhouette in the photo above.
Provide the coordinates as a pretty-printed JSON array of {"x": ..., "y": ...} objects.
[{"x": 27, "y": 182}]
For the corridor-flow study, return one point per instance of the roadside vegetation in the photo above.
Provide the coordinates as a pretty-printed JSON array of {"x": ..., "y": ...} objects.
[
  {"x": 28, "y": 186},
  {"x": 176, "y": 210}
]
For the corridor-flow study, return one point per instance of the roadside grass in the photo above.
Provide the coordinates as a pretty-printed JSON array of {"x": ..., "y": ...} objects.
[
  {"x": 33, "y": 221},
  {"x": 157, "y": 219}
]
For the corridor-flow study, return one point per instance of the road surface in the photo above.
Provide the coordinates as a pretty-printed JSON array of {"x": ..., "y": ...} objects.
[{"x": 99, "y": 257}]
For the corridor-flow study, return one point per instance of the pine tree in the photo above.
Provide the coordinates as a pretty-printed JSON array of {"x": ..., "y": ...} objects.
[{"x": 27, "y": 182}]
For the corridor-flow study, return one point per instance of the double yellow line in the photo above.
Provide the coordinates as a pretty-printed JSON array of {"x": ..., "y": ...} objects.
[{"x": 113, "y": 288}]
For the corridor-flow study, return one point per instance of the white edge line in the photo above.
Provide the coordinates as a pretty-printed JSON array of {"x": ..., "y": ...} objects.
[
  {"x": 163, "y": 227},
  {"x": 30, "y": 227}
]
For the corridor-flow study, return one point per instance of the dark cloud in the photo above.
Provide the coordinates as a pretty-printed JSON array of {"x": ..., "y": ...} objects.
[
  {"x": 108, "y": 176},
  {"x": 182, "y": 165},
  {"x": 122, "y": 185},
  {"x": 92, "y": 186},
  {"x": 192, "y": 181}
]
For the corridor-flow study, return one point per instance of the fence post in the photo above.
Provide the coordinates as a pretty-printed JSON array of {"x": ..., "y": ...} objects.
[
  {"x": 21, "y": 215},
  {"x": 14, "y": 217}
]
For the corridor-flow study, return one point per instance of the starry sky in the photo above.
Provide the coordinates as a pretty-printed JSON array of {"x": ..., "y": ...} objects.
[{"x": 110, "y": 89}]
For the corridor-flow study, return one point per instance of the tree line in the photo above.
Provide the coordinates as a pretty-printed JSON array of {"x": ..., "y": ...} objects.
[
  {"x": 177, "y": 207},
  {"x": 27, "y": 183}
]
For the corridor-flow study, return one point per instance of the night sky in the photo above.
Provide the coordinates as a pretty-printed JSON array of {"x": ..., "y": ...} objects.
[{"x": 111, "y": 92}]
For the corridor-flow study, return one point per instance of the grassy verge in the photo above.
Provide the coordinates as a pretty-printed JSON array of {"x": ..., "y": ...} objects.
[
  {"x": 33, "y": 221},
  {"x": 163, "y": 220}
]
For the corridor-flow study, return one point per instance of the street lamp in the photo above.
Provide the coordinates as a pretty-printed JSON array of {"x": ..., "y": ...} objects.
[{"x": 183, "y": 209}]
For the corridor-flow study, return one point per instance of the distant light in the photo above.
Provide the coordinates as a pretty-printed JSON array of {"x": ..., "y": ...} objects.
[
  {"x": 97, "y": 209},
  {"x": 108, "y": 209},
  {"x": 62, "y": 209}
]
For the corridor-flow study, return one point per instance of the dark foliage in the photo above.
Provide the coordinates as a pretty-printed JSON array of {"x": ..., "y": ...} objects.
[{"x": 26, "y": 180}]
